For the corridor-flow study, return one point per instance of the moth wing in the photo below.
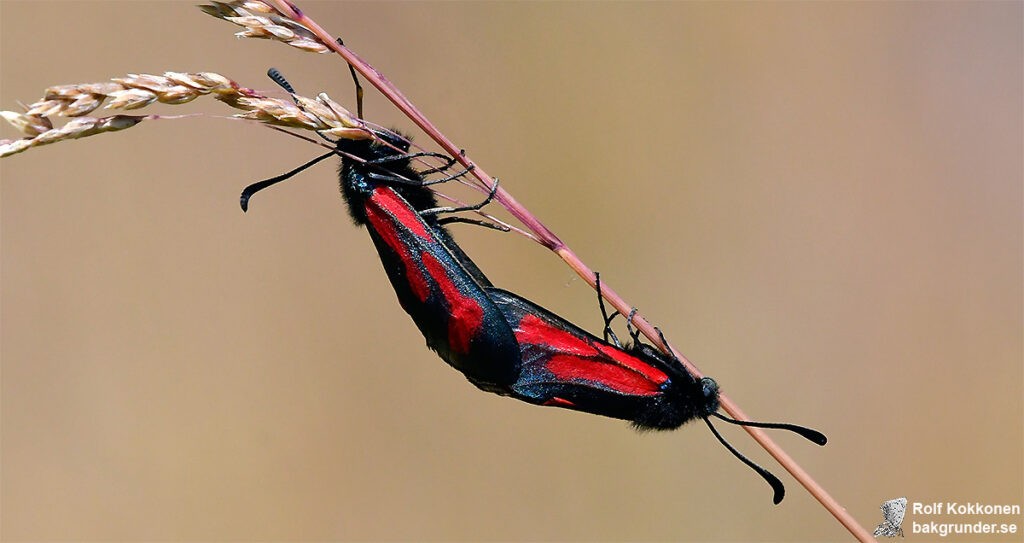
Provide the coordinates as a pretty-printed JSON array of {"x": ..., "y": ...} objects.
[
  {"x": 450, "y": 308},
  {"x": 559, "y": 357}
]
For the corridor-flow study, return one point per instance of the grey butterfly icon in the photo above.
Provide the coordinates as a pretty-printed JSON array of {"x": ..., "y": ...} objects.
[{"x": 893, "y": 511}]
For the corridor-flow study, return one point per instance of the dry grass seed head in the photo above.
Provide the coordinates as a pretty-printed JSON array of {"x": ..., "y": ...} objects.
[
  {"x": 263, "y": 21},
  {"x": 135, "y": 91}
]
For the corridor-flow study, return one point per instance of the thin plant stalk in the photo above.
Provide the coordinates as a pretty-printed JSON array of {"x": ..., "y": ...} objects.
[{"x": 548, "y": 238}]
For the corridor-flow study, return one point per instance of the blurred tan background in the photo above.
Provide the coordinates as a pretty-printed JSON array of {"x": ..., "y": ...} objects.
[{"x": 819, "y": 203}]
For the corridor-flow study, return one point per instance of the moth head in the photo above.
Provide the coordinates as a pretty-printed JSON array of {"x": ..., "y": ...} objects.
[{"x": 709, "y": 394}]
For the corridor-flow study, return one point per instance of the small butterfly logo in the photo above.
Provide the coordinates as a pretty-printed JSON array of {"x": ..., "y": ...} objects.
[{"x": 893, "y": 511}]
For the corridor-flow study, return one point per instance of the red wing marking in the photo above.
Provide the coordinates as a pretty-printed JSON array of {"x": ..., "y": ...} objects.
[
  {"x": 393, "y": 204},
  {"x": 577, "y": 358},
  {"x": 466, "y": 314},
  {"x": 533, "y": 330},
  {"x": 617, "y": 378},
  {"x": 383, "y": 210},
  {"x": 559, "y": 402},
  {"x": 634, "y": 363},
  {"x": 381, "y": 223}
]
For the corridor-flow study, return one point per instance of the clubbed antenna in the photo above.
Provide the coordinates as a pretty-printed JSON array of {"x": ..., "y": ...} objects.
[
  {"x": 780, "y": 490},
  {"x": 260, "y": 185},
  {"x": 776, "y": 484},
  {"x": 812, "y": 435},
  {"x": 275, "y": 74}
]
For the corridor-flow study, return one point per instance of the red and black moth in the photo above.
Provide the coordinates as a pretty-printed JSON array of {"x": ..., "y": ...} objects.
[
  {"x": 502, "y": 342},
  {"x": 436, "y": 282},
  {"x": 565, "y": 366}
]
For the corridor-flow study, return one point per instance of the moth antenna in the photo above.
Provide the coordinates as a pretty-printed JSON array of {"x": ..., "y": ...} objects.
[
  {"x": 276, "y": 76},
  {"x": 776, "y": 484},
  {"x": 260, "y": 185},
  {"x": 812, "y": 435},
  {"x": 279, "y": 78}
]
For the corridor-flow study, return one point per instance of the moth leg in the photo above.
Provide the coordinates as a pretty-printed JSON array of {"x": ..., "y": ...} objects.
[
  {"x": 664, "y": 341},
  {"x": 388, "y": 178},
  {"x": 478, "y": 222},
  {"x": 449, "y": 161},
  {"x": 451, "y": 177},
  {"x": 396, "y": 180},
  {"x": 359, "y": 88},
  {"x": 635, "y": 334},
  {"x": 474, "y": 207},
  {"x": 604, "y": 313}
]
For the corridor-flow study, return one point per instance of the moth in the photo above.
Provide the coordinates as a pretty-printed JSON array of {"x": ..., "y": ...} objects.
[{"x": 500, "y": 341}]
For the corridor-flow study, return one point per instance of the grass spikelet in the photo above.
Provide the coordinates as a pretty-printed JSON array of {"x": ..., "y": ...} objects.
[
  {"x": 76, "y": 128},
  {"x": 263, "y": 21},
  {"x": 31, "y": 125},
  {"x": 136, "y": 91}
]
